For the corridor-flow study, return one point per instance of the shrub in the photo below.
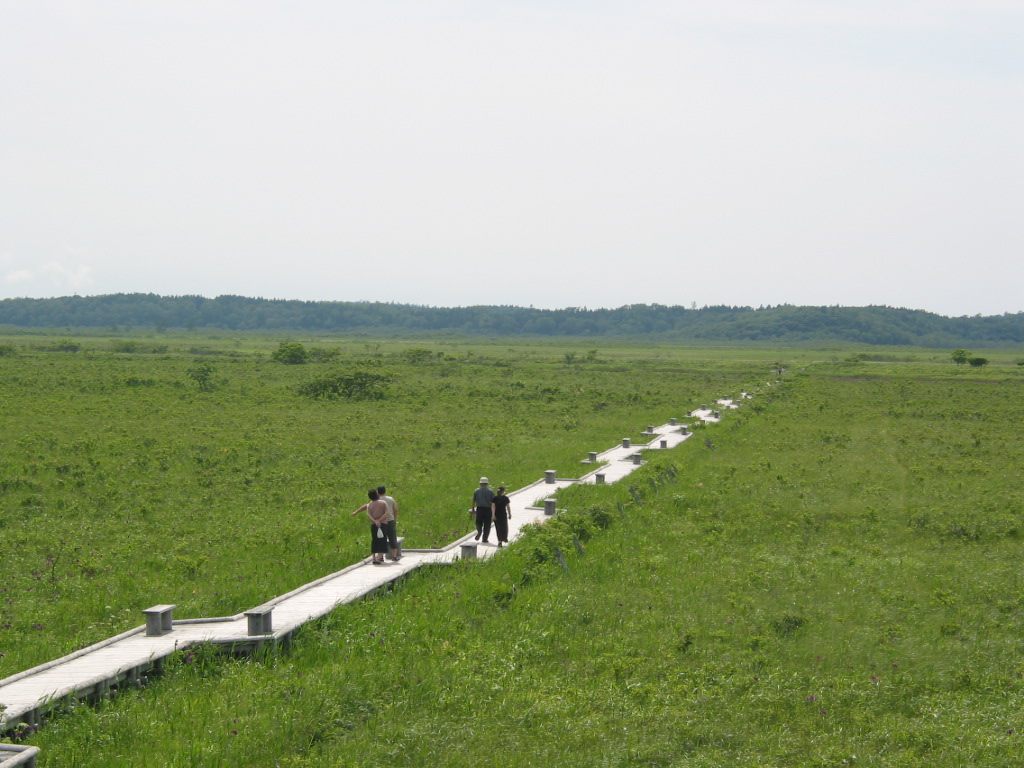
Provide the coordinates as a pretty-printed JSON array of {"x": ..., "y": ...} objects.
[
  {"x": 357, "y": 385},
  {"x": 202, "y": 374},
  {"x": 418, "y": 355},
  {"x": 290, "y": 353},
  {"x": 977, "y": 362}
]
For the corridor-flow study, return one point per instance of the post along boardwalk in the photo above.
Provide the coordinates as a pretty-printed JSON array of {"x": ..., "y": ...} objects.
[{"x": 127, "y": 658}]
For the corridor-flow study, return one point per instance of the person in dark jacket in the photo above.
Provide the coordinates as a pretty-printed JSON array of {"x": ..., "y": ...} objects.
[{"x": 501, "y": 515}]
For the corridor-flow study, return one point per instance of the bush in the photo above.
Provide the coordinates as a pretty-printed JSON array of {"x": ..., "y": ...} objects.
[
  {"x": 418, "y": 355},
  {"x": 202, "y": 374},
  {"x": 357, "y": 385},
  {"x": 290, "y": 353}
]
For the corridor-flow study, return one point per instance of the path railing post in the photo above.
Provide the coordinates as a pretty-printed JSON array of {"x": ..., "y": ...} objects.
[{"x": 159, "y": 620}]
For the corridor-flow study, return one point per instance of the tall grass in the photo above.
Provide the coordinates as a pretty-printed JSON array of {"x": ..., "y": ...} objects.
[
  {"x": 837, "y": 583},
  {"x": 123, "y": 485}
]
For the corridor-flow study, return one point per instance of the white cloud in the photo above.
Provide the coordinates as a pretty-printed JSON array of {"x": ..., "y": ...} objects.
[
  {"x": 19, "y": 276},
  {"x": 50, "y": 279},
  {"x": 73, "y": 278}
]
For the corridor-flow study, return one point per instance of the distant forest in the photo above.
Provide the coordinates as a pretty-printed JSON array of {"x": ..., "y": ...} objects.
[{"x": 719, "y": 324}]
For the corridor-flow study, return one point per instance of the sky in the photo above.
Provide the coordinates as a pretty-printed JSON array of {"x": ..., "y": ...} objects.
[{"x": 546, "y": 153}]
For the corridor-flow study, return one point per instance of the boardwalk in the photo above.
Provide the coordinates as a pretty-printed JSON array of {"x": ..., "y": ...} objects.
[{"x": 128, "y": 657}]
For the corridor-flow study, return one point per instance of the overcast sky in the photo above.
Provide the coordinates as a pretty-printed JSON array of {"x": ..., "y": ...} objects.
[{"x": 553, "y": 153}]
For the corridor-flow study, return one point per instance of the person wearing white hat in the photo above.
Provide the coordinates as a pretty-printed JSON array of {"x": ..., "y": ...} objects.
[{"x": 483, "y": 497}]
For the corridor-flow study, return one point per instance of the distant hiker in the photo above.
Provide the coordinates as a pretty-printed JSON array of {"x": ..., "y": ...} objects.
[
  {"x": 502, "y": 513},
  {"x": 483, "y": 498},
  {"x": 378, "y": 513},
  {"x": 391, "y": 530}
]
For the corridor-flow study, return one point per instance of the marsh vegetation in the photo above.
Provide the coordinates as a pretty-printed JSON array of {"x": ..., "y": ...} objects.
[{"x": 837, "y": 583}]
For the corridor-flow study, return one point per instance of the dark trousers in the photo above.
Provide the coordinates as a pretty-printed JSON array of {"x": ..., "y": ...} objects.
[
  {"x": 501, "y": 527},
  {"x": 391, "y": 531},
  {"x": 483, "y": 522}
]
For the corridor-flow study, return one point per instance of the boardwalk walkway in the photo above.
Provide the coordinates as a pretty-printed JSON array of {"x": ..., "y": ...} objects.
[{"x": 125, "y": 659}]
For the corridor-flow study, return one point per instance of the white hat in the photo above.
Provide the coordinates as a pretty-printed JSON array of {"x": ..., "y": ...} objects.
[{"x": 483, "y": 481}]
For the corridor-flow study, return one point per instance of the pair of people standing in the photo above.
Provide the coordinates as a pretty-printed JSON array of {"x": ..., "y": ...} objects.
[
  {"x": 383, "y": 513},
  {"x": 491, "y": 507}
]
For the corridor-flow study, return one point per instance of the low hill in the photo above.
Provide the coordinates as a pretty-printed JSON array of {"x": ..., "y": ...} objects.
[{"x": 720, "y": 324}]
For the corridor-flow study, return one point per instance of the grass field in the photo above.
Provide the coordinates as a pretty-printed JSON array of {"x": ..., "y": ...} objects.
[{"x": 836, "y": 583}]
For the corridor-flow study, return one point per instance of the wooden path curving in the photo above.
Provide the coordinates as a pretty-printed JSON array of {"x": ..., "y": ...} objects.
[{"x": 126, "y": 659}]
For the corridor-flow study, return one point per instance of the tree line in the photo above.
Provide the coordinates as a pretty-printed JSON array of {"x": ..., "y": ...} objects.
[{"x": 878, "y": 325}]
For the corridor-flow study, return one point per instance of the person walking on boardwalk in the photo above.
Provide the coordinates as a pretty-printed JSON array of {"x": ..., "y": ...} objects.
[
  {"x": 483, "y": 498},
  {"x": 502, "y": 514},
  {"x": 391, "y": 531},
  {"x": 378, "y": 513}
]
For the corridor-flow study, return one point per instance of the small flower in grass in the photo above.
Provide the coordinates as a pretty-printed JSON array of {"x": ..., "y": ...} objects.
[
  {"x": 824, "y": 712},
  {"x": 874, "y": 678},
  {"x": 812, "y": 698},
  {"x": 1011, "y": 731}
]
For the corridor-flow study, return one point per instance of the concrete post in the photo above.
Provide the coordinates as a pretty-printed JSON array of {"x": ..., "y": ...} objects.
[
  {"x": 549, "y": 476},
  {"x": 625, "y": 442},
  {"x": 549, "y": 506},
  {"x": 593, "y": 457},
  {"x": 599, "y": 478},
  {"x": 159, "y": 620},
  {"x": 469, "y": 551}
]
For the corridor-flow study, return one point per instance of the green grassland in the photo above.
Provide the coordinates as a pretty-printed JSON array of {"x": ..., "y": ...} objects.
[
  {"x": 836, "y": 583},
  {"x": 122, "y": 484}
]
